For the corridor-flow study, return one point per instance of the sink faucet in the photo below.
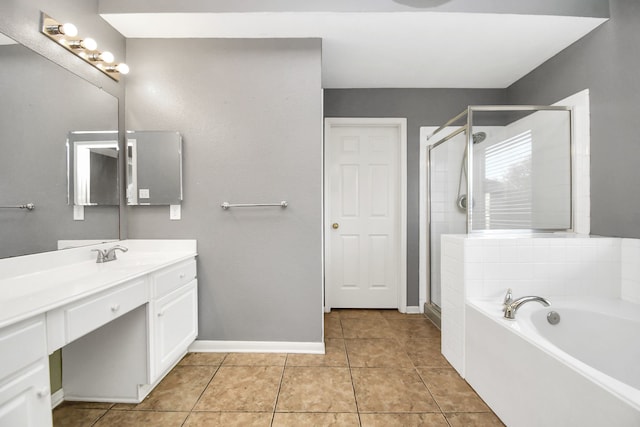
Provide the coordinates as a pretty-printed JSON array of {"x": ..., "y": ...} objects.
[
  {"x": 511, "y": 308},
  {"x": 106, "y": 255}
]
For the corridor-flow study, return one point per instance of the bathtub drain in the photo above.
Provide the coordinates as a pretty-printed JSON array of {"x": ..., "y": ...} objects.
[{"x": 553, "y": 318}]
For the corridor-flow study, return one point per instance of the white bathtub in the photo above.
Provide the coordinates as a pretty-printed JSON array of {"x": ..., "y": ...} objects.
[{"x": 584, "y": 371}]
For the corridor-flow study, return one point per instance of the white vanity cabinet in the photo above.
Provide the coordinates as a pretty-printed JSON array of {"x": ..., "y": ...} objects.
[
  {"x": 121, "y": 325},
  {"x": 25, "y": 398},
  {"x": 174, "y": 315},
  {"x": 146, "y": 326}
]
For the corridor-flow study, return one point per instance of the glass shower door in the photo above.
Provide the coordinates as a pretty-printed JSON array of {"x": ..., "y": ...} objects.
[{"x": 447, "y": 207}]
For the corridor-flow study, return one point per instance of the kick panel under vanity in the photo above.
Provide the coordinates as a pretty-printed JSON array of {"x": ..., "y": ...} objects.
[{"x": 118, "y": 339}]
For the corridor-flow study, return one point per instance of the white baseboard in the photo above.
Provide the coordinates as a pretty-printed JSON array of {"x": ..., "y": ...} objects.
[
  {"x": 206, "y": 346},
  {"x": 413, "y": 310},
  {"x": 57, "y": 398}
]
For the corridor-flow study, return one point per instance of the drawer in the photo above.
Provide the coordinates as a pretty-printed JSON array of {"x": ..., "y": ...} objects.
[
  {"x": 173, "y": 277},
  {"x": 21, "y": 345},
  {"x": 94, "y": 312}
]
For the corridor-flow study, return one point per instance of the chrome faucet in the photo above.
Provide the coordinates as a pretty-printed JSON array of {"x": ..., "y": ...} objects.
[
  {"x": 511, "y": 308},
  {"x": 106, "y": 255}
]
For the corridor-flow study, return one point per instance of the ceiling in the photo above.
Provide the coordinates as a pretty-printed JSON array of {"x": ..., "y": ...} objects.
[{"x": 390, "y": 49}]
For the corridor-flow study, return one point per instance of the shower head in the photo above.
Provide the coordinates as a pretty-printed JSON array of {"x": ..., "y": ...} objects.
[{"x": 478, "y": 137}]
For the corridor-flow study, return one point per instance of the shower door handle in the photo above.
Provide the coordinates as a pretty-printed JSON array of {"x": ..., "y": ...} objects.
[{"x": 335, "y": 226}]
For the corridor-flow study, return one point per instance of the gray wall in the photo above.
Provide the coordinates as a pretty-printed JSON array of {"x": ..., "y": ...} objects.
[
  {"x": 421, "y": 107},
  {"x": 606, "y": 62},
  {"x": 251, "y": 119}
]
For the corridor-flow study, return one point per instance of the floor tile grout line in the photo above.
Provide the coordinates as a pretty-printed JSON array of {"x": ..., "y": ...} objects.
[
  {"x": 205, "y": 388},
  {"x": 353, "y": 385},
  {"x": 431, "y": 394},
  {"x": 275, "y": 405}
]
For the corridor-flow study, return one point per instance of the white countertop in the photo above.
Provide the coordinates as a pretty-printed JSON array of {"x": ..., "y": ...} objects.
[{"x": 34, "y": 284}]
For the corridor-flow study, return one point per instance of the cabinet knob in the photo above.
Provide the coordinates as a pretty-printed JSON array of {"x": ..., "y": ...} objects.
[
  {"x": 43, "y": 392},
  {"x": 182, "y": 275},
  {"x": 115, "y": 307},
  {"x": 160, "y": 313}
]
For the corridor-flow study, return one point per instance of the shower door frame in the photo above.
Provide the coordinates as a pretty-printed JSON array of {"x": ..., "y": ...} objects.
[{"x": 431, "y": 310}]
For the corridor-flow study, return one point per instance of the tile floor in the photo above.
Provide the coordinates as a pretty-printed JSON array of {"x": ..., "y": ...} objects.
[{"x": 381, "y": 368}]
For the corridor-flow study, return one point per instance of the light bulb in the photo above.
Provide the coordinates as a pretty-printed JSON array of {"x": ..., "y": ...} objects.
[
  {"x": 68, "y": 29},
  {"x": 87, "y": 44},
  {"x": 106, "y": 57},
  {"x": 122, "y": 68}
]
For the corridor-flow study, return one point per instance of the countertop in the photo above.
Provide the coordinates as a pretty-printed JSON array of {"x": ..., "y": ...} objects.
[{"x": 30, "y": 285}]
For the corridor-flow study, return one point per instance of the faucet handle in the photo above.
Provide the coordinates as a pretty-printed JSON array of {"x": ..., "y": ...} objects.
[
  {"x": 101, "y": 255},
  {"x": 508, "y": 298}
]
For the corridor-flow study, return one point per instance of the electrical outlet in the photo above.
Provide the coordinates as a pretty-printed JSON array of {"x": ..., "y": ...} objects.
[
  {"x": 174, "y": 212},
  {"x": 78, "y": 213}
]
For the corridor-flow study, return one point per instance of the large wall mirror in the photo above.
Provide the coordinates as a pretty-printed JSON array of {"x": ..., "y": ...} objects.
[{"x": 41, "y": 104}]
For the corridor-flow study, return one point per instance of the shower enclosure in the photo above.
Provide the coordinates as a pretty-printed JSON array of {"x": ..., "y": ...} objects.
[{"x": 495, "y": 169}]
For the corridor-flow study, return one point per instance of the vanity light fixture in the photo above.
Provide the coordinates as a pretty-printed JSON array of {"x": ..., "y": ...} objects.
[
  {"x": 121, "y": 68},
  {"x": 85, "y": 44},
  {"x": 106, "y": 57},
  {"x": 66, "y": 35},
  {"x": 67, "y": 29}
]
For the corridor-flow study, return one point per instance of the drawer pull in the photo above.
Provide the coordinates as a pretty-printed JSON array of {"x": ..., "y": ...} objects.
[
  {"x": 115, "y": 307},
  {"x": 182, "y": 275},
  {"x": 160, "y": 313},
  {"x": 43, "y": 392}
]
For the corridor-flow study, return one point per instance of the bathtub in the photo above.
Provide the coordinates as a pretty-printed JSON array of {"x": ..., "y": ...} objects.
[{"x": 584, "y": 371}]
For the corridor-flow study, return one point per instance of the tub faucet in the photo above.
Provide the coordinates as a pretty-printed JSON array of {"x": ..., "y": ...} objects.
[
  {"x": 106, "y": 255},
  {"x": 511, "y": 309}
]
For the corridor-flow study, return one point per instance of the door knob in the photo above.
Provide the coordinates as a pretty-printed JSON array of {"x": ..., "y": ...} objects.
[{"x": 335, "y": 225}]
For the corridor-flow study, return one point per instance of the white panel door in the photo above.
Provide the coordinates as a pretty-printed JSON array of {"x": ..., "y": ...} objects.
[{"x": 362, "y": 166}]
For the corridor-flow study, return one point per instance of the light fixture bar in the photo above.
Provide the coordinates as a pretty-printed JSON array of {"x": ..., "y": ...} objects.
[{"x": 66, "y": 35}]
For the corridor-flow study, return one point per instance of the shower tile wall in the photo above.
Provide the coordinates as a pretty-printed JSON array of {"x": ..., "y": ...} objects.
[
  {"x": 446, "y": 217},
  {"x": 484, "y": 267}
]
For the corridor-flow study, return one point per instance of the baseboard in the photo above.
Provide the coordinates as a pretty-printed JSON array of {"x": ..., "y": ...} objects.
[
  {"x": 413, "y": 310},
  {"x": 206, "y": 346},
  {"x": 57, "y": 398}
]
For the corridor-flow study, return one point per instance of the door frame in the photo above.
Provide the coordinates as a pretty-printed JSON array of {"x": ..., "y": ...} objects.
[{"x": 400, "y": 123}]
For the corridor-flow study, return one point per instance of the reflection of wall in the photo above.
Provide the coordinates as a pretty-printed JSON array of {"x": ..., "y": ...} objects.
[
  {"x": 104, "y": 173},
  {"x": 251, "y": 120},
  {"x": 41, "y": 103},
  {"x": 158, "y": 167}
]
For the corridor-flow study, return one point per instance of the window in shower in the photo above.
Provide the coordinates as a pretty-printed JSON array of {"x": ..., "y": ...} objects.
[
  {"x": 522, "y": 171},
  {"x": 507, "y": 184}
]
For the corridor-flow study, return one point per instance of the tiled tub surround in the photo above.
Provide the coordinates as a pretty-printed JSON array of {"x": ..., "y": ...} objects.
[
  {"x": 122, "y": 324},
  {"x": 488, "y": 350}
]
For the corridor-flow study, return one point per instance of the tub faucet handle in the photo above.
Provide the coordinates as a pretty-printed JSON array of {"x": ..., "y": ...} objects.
[{"x": 508, "y": 298}]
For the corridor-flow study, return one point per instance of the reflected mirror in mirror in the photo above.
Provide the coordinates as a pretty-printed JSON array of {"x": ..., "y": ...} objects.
[
  {"x": 92, "y": 168},
  {"x": 154, "y": 168},
  {"x": 41, "y": 103}
]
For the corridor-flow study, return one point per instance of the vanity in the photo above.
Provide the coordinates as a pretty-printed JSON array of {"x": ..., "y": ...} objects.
[{"x": 122, "y": 325}]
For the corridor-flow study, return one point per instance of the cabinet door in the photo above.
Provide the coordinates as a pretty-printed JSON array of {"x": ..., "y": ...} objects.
[
  {"x": 25, "y": 399},
  {"x": 176, "y": 325}
]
